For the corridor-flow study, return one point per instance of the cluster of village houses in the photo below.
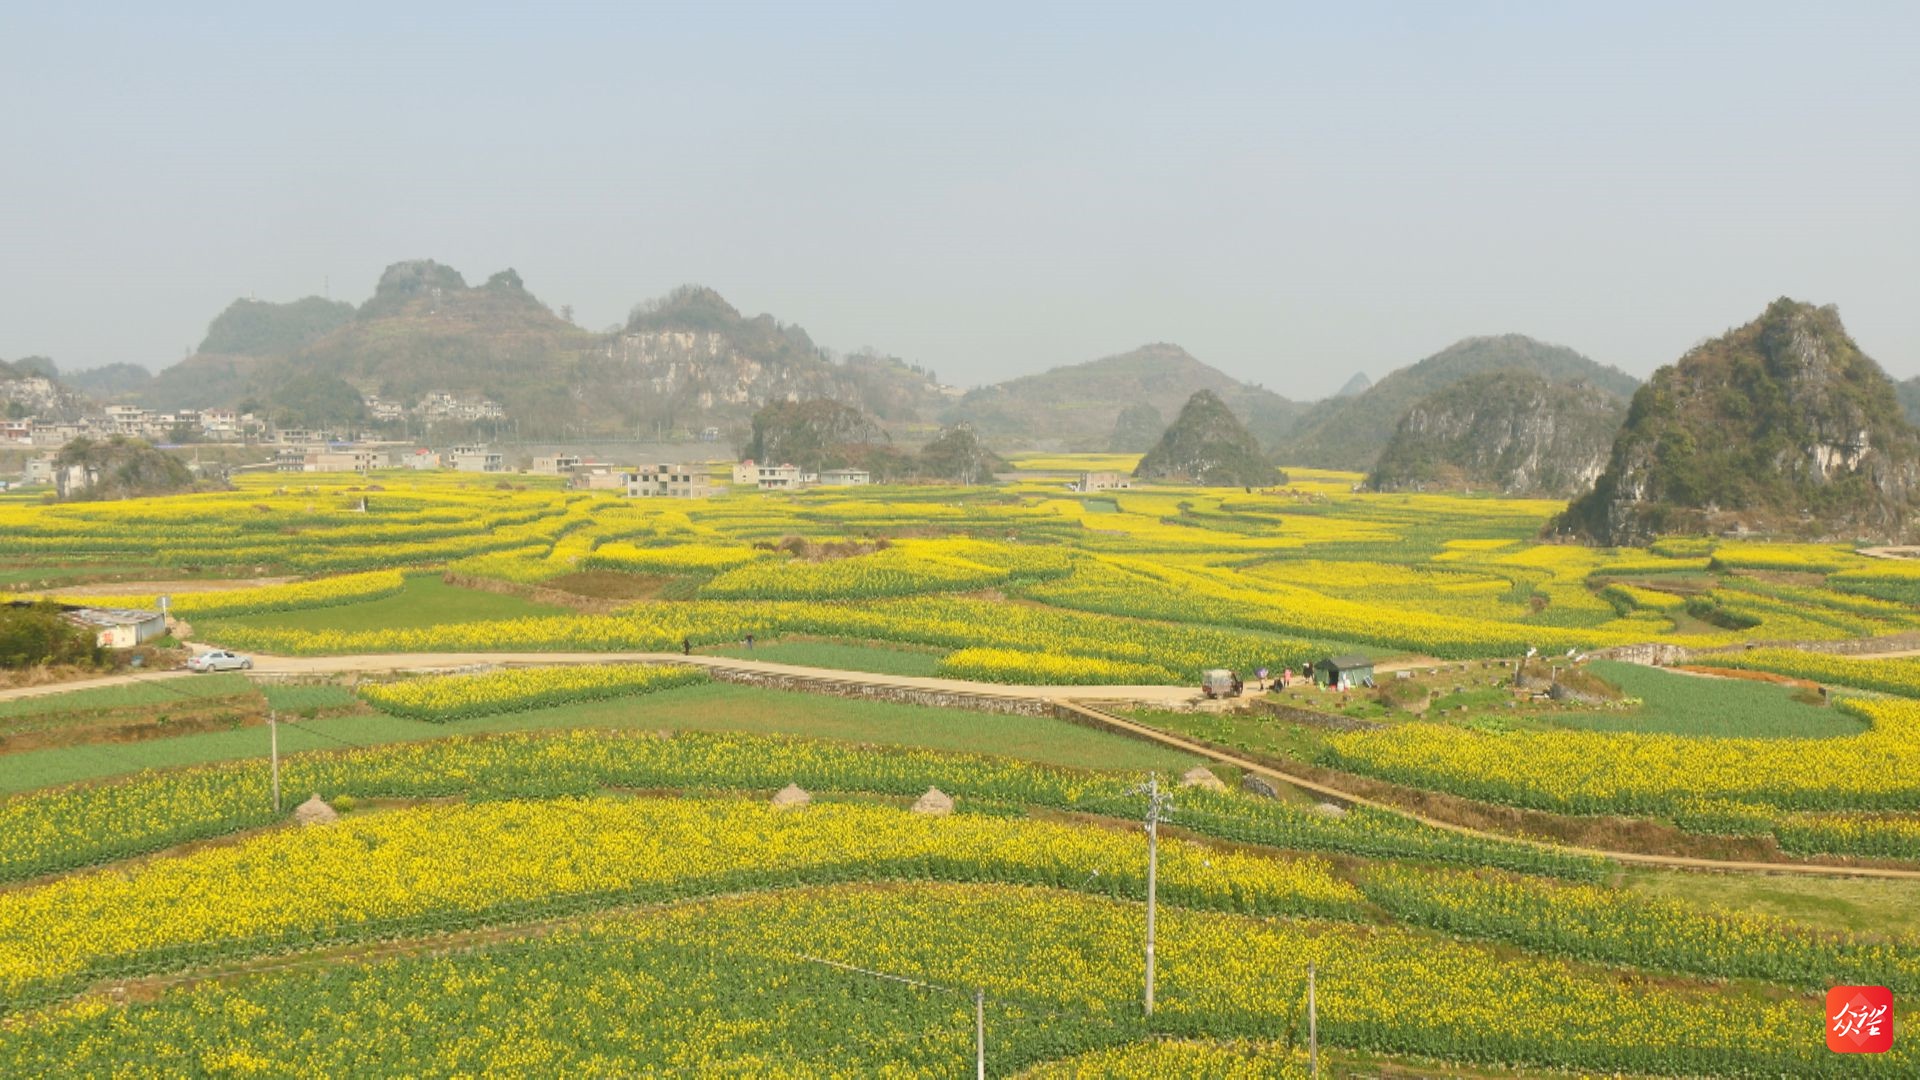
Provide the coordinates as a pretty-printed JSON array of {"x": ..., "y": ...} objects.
[
  {"x": 225, "y": 425},
  {"x": 681, "y": 481}
]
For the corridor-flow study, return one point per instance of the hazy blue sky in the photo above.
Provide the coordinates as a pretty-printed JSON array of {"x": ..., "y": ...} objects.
[{"x": 1292, "y": 192}]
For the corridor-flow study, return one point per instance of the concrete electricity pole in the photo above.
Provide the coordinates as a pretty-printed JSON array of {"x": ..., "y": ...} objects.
[
  {"x": 980, "y": 1032},
  {"x": 1159, "y": 806},
  {"x": 1313, "y": 1027},
  {"x": 273, "y": 750}
]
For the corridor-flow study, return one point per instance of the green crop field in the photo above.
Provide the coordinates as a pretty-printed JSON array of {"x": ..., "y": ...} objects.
[
  {"x": 1681, "y": 704},
  {"x": 157, "y": 692},
  {"x": 844, "y": 656},
  {"x": 425, "y": 602}
]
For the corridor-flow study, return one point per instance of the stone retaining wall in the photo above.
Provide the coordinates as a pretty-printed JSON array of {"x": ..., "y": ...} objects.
[{"x": 1652, "y": 654}]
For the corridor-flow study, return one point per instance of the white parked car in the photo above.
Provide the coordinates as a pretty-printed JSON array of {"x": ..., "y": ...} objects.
[{"x": 220, "y": 660}]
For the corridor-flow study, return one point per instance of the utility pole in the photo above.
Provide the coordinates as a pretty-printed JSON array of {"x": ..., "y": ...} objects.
[
  {"x": 1313, "y": 1027},
  {"x": 1159, "y": 805},
  {"x": 980, "y": 1032},
  {"x": 273, "y": 749}
]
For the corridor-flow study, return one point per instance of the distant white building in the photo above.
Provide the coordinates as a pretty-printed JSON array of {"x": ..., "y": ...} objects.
[
  {"x": 1101, "y": 481},
  {"x": 777, "y": 477},
  {"x": 440, "y": 405},
  {"x": 119, "y": 628},
  {"x": 219, "y": 423},
  {"x": 348, "y": 459},
  {"x": 300, "y": 437},
  {"x": 16, "y": 432},
  {"x": 845, "y": 478},
  {"x": 669, "y": 481},
  {"x": 385, "y": 411},
  {"x": 599, "y": 478},
  {"x": 556, "y": 465},
  {"x": 746, "y": 472},
  {"x": 127, "y": 419},
  {"x": 421, "y": 458},
  {"x": 477, "y": 459}
]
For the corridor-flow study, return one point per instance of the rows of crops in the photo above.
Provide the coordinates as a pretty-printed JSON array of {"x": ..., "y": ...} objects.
[
  {"x": 446, "y": 866},
  {"x": 48, "y": 831},
  {"x": 457, "y": 697},
  {"x": 1447, "y": 576},
  {"x": 723, "y": 984},
  {"x": 1589, "y": 772}
]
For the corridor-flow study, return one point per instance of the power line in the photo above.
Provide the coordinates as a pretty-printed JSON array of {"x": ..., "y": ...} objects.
[{"x": 855, "y": 968}]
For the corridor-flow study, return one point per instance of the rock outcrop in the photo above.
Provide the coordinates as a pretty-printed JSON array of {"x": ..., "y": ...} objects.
[
  {"x": 1509, "y": 431},
  {"x": 1782, "y": 427}
]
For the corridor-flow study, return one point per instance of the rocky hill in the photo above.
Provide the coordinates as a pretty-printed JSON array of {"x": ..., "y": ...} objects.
[
  {"x": 424, "y": 329},
  {"x": 816, "y": 434},
  {"x": 1509, "y": 431},
  {"x": 1078, "y": 407},
  {"x": 31, "y": 386},
  {"x": 1351, "y": 432},
  {"x": 691, "y": 358},
  {"x": 1781, "y": 426},
  {"x": 681, "y": 364},
  {"x": 1207, "y": 444}
]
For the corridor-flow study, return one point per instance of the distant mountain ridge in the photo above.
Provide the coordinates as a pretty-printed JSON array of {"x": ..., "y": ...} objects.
[
  {"x": 1352, "y": 432},
  {"x": 1079, "y": 406},
  {"x": 1781, "y": 426},
  {"x": 682, "y": 364}
]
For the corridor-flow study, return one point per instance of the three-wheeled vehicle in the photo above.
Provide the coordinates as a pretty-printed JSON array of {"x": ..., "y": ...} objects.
[{"x": 1220, "y": 683}]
